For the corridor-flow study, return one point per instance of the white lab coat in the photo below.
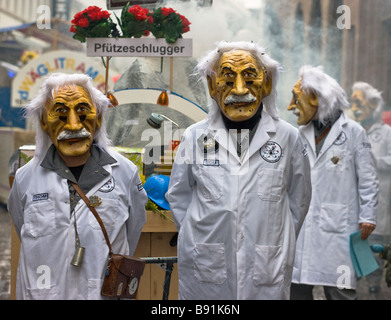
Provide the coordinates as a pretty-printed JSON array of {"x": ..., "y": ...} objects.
[
  {"x": 344, "y": 194},
  {"x": 380, "y": 137},
  {"x": 39, "y": 206},
  {"x": 238, "y": 220}
]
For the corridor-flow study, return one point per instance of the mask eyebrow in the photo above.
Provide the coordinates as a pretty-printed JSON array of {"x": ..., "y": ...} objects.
[
  {"x": 83, "y": 104},
  {"x": 226, "y": 69},
  {"x": 251, "y": 69}
]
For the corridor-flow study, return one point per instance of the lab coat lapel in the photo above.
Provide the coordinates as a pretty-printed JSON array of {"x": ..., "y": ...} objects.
[
  {"x": 218, "y": 130},
  {"x": 99, "y": 185},
  {"x": 335, "y": 132},
  {"x": 261, "y": 136},
  {"x": 308, "y": 133}
]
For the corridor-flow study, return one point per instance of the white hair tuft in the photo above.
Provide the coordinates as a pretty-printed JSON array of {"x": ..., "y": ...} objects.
[{"x": 331, "y": 97}]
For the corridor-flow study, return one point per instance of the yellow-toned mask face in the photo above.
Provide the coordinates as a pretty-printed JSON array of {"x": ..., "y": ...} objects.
[
  {"x": 361, "y": 107},
  {"x": 70, "y": 119},
  {"x": 239, "y": 85},
  {"x": 304, "y": 105}
]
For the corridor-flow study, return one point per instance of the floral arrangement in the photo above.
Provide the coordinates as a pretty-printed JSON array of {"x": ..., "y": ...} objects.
[
  {"x": 135, "y": 22},
  {"x": 93, "y": 22},
  {"x": 169, "y": 24}
]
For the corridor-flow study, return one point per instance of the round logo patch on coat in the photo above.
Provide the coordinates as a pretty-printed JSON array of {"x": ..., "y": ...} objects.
[
  {"x": 341, "y": 139},
  {"x": 108, "y": 186},
  {"x": 375, "y": 136},
  {"x": 271, "y": 152}
]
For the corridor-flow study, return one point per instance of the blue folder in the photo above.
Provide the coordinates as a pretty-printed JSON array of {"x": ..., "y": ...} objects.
[{"x": 362, "y": 257}]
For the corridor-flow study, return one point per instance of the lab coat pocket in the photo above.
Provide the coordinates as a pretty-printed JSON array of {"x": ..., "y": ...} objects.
[
  {"x": 269, "y": 265},
  {"x": 270, "y": 184},
  {"x": 210, "y": 266},
  {"x": 107, "y": 211},
  {"x": 211, "y": 182},
  {"x": 46, "y": 293},
  {"x": 94, "y": 288},
  {"x": 40, "y": 220},
  {"x": 333, "y": 217}
]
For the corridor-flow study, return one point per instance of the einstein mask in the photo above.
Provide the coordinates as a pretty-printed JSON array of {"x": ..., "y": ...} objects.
[
  {"x": 238, "y": 85},
  {"x": 70, "y": 119},
  {"x": 361, "y": 107},
  {"x": 304, "y": 105}
]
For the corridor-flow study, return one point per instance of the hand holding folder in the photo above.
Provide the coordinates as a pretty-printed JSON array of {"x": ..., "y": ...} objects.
[{"x": 362, "y": 257}]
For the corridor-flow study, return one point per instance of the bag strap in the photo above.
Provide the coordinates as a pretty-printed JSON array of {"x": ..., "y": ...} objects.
[{"x": 83, "y": 196}]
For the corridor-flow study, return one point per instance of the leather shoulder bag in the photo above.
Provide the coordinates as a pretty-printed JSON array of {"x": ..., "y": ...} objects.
[{"x": 122, "y": 273}]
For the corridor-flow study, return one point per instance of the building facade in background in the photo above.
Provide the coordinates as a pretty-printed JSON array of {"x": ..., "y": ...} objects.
[{"x": 350, "y": 38}]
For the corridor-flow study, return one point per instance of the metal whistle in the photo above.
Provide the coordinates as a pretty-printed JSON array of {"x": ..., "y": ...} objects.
[{"x": 78, "y": 256}]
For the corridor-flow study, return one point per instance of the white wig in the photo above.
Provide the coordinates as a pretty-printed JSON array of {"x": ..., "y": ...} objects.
[
  {"x": 52, "y": 84},
  {"x": 372, "y": 95},
  {"x": 206, "y": 66},
  {"x": 331, "y": 97}
]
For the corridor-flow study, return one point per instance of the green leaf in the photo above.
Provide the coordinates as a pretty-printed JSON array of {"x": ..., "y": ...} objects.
[{"x": 79, "y": 37}]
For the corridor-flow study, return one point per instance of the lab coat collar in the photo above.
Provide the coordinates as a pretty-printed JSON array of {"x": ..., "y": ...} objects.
[
  {"x": 261, "y": 136},
  {"x": 336, "y": 129},
  {"x": 97, "y": 167}
]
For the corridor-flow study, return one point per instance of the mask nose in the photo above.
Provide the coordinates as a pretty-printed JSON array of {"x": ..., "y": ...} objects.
[
  {"x": 293, "y": 105},
  {"x": 354, "y": 107},
  {"x": 73, "y": 122},
  {"x": 240, "y": 88}
]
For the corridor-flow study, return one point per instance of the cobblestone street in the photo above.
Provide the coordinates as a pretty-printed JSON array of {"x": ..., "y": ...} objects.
[{"x": 5, "y": 262}]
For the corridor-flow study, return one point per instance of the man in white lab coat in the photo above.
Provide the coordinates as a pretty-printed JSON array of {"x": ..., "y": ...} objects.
[
  {"x": 344, "y": 187},
  {"x": 240, "y": 185},
  {"x": 367, "y": 107},
  {"x": 51, "y": 220}
]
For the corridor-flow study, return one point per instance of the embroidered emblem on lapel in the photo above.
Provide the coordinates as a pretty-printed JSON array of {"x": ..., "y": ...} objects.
[
  {"x": 271, "y": 152},
  {"x": 108, "y": 186},
  {"x": 335, "y": 159},
  {"x": 95, "y": 201},
  {"x": 341, "y": 139}
]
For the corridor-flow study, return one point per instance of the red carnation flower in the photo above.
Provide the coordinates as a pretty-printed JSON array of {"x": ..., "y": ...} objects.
[
  {"x": 150, "y": 19},
  {"x": 139, "y": 13},
  {"x": 83, "y": 23},
  {"x": 167, "y": 11},
  {"x": 93, "y": 22},
  {"x": 185, "y": 23}
]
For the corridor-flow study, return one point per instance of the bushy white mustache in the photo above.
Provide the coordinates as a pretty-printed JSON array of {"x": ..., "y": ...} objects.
[
  {"x": 67, "y": 134},
  {"x": 248, "y": 98}
]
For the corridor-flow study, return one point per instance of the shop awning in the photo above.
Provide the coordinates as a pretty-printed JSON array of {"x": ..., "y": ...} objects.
[{"x": 58, "y": 35}]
